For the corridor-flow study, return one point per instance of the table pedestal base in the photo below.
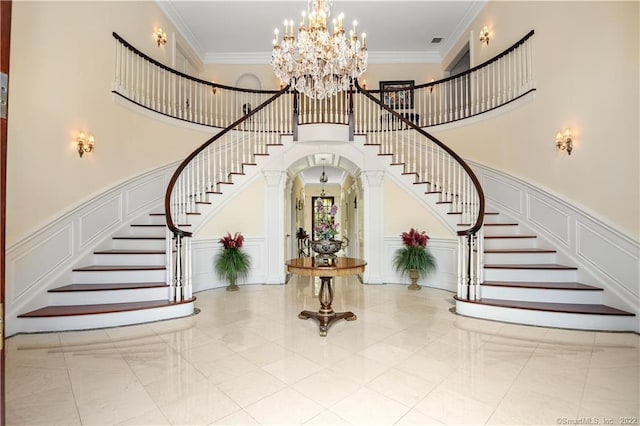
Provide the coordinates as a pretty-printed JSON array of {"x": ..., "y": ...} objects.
[{"x": 325, "y": 316}]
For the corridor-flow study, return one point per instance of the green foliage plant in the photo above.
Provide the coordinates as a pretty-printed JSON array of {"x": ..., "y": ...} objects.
[
  {"x": 414, "y": 255},
  {"x": 232, "y": 262}
]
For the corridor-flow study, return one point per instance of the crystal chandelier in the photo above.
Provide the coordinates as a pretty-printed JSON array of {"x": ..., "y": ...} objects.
[{"x": 317, "y": 63}]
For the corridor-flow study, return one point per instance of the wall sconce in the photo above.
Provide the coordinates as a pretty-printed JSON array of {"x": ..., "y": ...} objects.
[
  {"x": 565, "y": 141},
  {"x": 431, "y": 87},
  {"x": 84, "y": 144},
  {"x": 214, "y": 89},
  {"x": 281, "y": 84},
  {"x": 161, "y": 37},
  {"x": 364, "y": 84},
  {"x": 484, "y": 35}
]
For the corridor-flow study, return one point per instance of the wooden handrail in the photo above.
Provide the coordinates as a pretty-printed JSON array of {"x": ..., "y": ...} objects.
[
  {"x": 167, "y": 198},
  {"x": 469, "y": 71},
  {"x": 188, "y": 77},
  {"x": 479, "y": 221}
]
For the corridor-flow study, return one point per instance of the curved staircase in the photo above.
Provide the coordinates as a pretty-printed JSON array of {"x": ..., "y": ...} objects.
[
  {"x": 523, "y": 283},
  {"x": 125, "y": 284}
]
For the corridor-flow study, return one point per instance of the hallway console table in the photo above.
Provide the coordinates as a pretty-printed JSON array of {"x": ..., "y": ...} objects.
[{"x": 340, "y": 267}]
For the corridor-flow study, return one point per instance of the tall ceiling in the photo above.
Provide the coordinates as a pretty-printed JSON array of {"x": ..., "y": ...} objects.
[
  {"x": 240, "y": 32},
  {"x": 397, "y": 31}
]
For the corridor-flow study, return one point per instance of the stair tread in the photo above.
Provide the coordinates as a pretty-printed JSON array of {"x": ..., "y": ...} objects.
[
  {"x": 102, "y": 287},
  {"x": 572, "y": 308},
  {"x": 520, "y": 250},
  {"x": 123, "y": 251},
  {"x": 543, "y": 285},
  {"x": 147, "y": 225},
  {"x": 107, "y": 308},
  {"x": 486, "y": 213},
  {"x": 552, "y": 266},
  {"x": 509, "y": 236},
  {"x": 138, "y": 238},
  {"x": 121, "y": 268},
  {"x": 501, "y": 224}
]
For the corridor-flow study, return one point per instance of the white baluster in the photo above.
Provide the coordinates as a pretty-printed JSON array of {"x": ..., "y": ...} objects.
[
  {"x": 169, "y": 263},
  {"x": 188, "y": 285}
]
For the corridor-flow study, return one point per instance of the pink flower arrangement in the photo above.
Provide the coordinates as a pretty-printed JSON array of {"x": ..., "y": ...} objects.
[
  {"x": 414, "y": 238},
  {"x": 229, "y": 242},
  {"x": 327, "y": 228}
]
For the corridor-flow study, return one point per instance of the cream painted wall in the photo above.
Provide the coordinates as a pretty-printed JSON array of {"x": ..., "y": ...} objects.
[
  {"x": 62, "y": 61},
  {"x": 586, "y": 57},
  {"x": 245, "y": 214},
  {"x": 402, "y": 212}
]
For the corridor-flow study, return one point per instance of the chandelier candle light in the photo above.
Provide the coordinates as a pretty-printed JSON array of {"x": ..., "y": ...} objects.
[{"x": 317, "y": 63}]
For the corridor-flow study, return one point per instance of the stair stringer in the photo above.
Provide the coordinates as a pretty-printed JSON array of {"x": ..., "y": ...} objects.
[{"x": 604, "y": 256}]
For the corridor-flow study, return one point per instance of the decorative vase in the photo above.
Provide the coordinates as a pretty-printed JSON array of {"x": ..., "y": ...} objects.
[
  {"x": 326, "y": 249},
  {"x": 414, "y": 275}
]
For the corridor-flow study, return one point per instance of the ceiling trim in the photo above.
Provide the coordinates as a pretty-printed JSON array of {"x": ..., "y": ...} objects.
[
  {"x": 176, "y": 19},
  {"x": 460, "y": 31}
]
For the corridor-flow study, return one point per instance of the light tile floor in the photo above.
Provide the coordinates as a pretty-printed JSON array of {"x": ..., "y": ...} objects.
[{"x": 247, "y": 359}]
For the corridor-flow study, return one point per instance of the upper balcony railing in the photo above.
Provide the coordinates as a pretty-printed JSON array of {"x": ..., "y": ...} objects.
[
  {"x": 159, "y": 88},
  {"x": 496, "y": 82}
]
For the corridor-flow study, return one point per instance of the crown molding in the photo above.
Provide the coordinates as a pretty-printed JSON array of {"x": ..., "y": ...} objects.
[{"x": 172, "y": 14}]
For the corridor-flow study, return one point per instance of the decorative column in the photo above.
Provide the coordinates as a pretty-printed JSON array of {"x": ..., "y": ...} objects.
[
  {"x": 274, "y": 226},
  {"x": 373, "y": 205}
]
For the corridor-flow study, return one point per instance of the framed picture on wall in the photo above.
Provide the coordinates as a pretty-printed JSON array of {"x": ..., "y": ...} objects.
[{"x": 397, "y": 94}]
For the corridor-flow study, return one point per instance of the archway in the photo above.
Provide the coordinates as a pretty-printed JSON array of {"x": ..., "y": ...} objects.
[{"x": 324, "y": 175}]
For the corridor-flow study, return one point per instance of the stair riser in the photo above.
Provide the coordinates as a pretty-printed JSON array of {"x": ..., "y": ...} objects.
[
  {"x": 530, "y": 275},
  {"x": 108, "y": 277},
  {"x": 129, "y": 259},
  {"x": 519, "y": 258},
  {"x": 593, "y": 297},
  {"x": 147, "y": 231},
  {"x": 547, "y": 319},
  {"x": 509, "y": 243},
  {"x": 502, "y": 230},
  {"x": 107, "y": 296},
  {"x": 155, "y": 220},
  {"x": 86, "y": 322},
  {"x": 139, "y": 244}
]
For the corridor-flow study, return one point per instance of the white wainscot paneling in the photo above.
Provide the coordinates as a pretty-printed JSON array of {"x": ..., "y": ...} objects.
[
  {"x": 44, "y": 258},
  {"x": 26, "y": 270},
  {"x": 553, "y": 220},
  {"x": 204, "y": 251},
  {"x": 605, "y": 256},
  {"x": 443, "y": 249},
  {"x": 611, "y": 259},
  {"x": 99, "y": 219},
  {"x": 503, "y": 193},
  {"x": 145, "y": 194}
]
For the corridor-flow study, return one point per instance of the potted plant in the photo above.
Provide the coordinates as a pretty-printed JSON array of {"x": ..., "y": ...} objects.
[
  {"x": 232, "y": 262},
  {"x": 414, "y": 258}
]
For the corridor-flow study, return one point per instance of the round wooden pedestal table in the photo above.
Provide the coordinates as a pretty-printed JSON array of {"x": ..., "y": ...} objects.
[{"x": 326, "y": 270}]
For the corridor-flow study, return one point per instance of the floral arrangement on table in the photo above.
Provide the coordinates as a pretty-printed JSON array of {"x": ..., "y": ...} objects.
[
  {"x": 414, "y": 258},
  {"x": 326, "y": 228},
  {"x": 232, "y": 262}
]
